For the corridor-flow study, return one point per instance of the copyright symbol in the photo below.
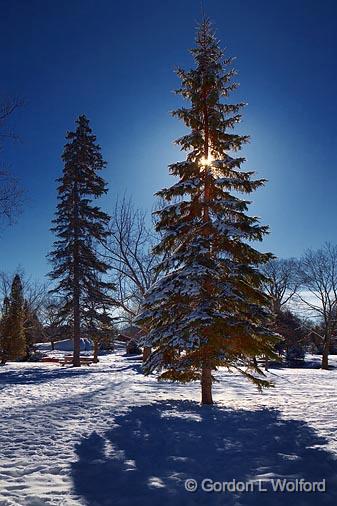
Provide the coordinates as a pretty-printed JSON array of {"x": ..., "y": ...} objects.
[{"x": 191, "y": 485}]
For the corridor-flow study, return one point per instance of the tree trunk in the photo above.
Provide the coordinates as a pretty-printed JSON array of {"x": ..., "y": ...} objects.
[
  {"x": 206, "y": 385},
  {"x": 146, "y": 353},
  {"x": 77, "y": 334},
  {"x": 76, "y": 287},
  {"x": 325, "y": 354},
  {"x": 266, "y": 363},
  {"x": 77, "y": 321},
  {"x": 206, "y": 372},
  {"x": 96, "y": 349}
]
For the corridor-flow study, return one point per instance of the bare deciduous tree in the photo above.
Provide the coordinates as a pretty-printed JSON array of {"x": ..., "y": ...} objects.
[
  {"x": 7, "y": 107},
  {"x": 318, "y": 272},
  {"x": 283, "y": 281},
  {"x": 11, "y": 193},
  {"x": 35, "y": 293},
  {"x": 11, "y": 197},
  {"x": 54, "y": 325},
  {"x": 128, "y": 251}
]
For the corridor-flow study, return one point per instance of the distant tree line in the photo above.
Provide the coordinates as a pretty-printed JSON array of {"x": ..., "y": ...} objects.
[{"x": 303, "y": 294}]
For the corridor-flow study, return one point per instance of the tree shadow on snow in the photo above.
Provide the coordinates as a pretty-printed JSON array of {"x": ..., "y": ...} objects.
[
  {"x": 39, "y": 375},
  {"x": 153, "y": 449}
]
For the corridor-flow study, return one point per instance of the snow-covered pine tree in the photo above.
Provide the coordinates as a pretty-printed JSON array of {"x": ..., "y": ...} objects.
[
  {"x": 80, "y": 226},
  {"x": 209, "y": 310},
  {"x": 12, "y": 335}
]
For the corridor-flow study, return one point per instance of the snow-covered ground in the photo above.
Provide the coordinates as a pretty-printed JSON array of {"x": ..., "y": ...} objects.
[{"x": 106, "y": 435}]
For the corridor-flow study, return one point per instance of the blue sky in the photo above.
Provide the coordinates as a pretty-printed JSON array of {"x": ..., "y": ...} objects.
[{"x": 115, "y": 61}]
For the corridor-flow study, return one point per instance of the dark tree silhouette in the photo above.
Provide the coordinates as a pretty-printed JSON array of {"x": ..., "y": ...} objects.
[
  {"x": 12, "y": 333},
  {"x": 80, "y": 226}
]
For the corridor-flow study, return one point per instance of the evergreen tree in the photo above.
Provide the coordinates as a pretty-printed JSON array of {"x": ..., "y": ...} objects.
[
  {"x": 12, "y": 324},
  {"x": 209, "y": 309},
  {"x": 80, "y": 226}
]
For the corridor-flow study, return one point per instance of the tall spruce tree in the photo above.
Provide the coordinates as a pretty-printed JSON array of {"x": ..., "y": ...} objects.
[
  {"x": 12, "y": 334},
  {"x": 209, "y": 309},
  {"x": 80, "y": 226}
]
